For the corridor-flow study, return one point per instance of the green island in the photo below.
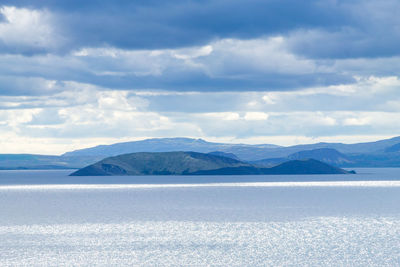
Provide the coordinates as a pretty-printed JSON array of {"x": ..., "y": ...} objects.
[{"x": 195, "y": 163}]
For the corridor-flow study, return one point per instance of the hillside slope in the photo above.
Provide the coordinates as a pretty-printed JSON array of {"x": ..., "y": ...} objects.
[
  {"x": 162, "y": 163},
  {"x": 193, "y": 163}
]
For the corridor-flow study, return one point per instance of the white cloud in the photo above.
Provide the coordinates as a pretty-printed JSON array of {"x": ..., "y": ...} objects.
[
  {"x": 226, "y": 57},
  {"x": 235, "y": 57},
  {"x": 256, "y": 116},
  {"x": 67, "y": 105},
  {"x": 15, "y": 117},
  {"x": 119, "y": 100},
  {"x": 357, "y": 121},
  {"x": 226, "y": 116},
  {"x": 91, "y": 121},
  {"x": 82, "y": 111},
  {"x": 270, "y": 98},
  {"x": 191, "y": 53},
  {"x": 25, "y": 30}
]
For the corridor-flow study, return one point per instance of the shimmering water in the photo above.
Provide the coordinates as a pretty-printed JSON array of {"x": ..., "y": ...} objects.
[{"x": 48, "y": 218}]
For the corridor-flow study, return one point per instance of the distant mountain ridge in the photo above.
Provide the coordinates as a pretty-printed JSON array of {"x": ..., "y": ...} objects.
[
  {"x": 32, "y": 161},
  {"x": 194, "y": 163},
  {"x": 383, "y": 153},
  {"x": 242, "y": 151},
  {"x": 328, "y": 155},
  {"x": 172, "y": 144}
]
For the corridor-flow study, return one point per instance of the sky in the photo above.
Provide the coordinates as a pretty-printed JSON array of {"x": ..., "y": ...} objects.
[{"x": 75, "y": 74}]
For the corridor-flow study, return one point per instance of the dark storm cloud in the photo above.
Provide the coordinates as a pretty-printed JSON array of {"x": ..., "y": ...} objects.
[
  {"x": 171, "y": 24},
  {"x": 182, "y": 81},
  {"x": 318, "y": 29},
  {"x": 373, "y": 31},
  {"x": 309, "y": 29}
]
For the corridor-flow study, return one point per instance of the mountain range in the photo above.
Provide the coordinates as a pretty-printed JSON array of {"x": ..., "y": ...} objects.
[
  {"x": 243, "y": 151},
  {"x": 383, "y": 153}
]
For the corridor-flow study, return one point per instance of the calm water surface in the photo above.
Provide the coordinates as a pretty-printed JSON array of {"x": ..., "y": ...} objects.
[
  {"x": 31, "y": 177},
  {"x": 50, "y": 219}
]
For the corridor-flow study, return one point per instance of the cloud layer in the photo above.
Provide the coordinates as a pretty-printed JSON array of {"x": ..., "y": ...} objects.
[{"x": 79, "y": 73}]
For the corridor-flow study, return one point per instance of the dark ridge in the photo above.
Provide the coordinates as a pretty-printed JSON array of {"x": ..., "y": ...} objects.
[
  {"x": 394, "y": 148},
  {"x": 193, "y": 163},
  {"x": 224, "y": 154}
]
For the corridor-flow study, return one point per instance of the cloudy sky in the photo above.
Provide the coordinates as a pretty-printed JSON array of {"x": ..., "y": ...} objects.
[{"x": 75, "y": 74}]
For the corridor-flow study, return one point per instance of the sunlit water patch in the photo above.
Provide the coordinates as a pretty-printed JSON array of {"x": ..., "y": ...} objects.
[{"x": 321, "y": 241}]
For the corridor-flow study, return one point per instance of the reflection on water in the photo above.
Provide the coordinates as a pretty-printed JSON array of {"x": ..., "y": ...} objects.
[{"x": 315, "y": 242}]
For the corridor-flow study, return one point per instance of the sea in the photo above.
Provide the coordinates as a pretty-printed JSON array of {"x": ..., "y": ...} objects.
[{"x": 48, "y": 218}]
